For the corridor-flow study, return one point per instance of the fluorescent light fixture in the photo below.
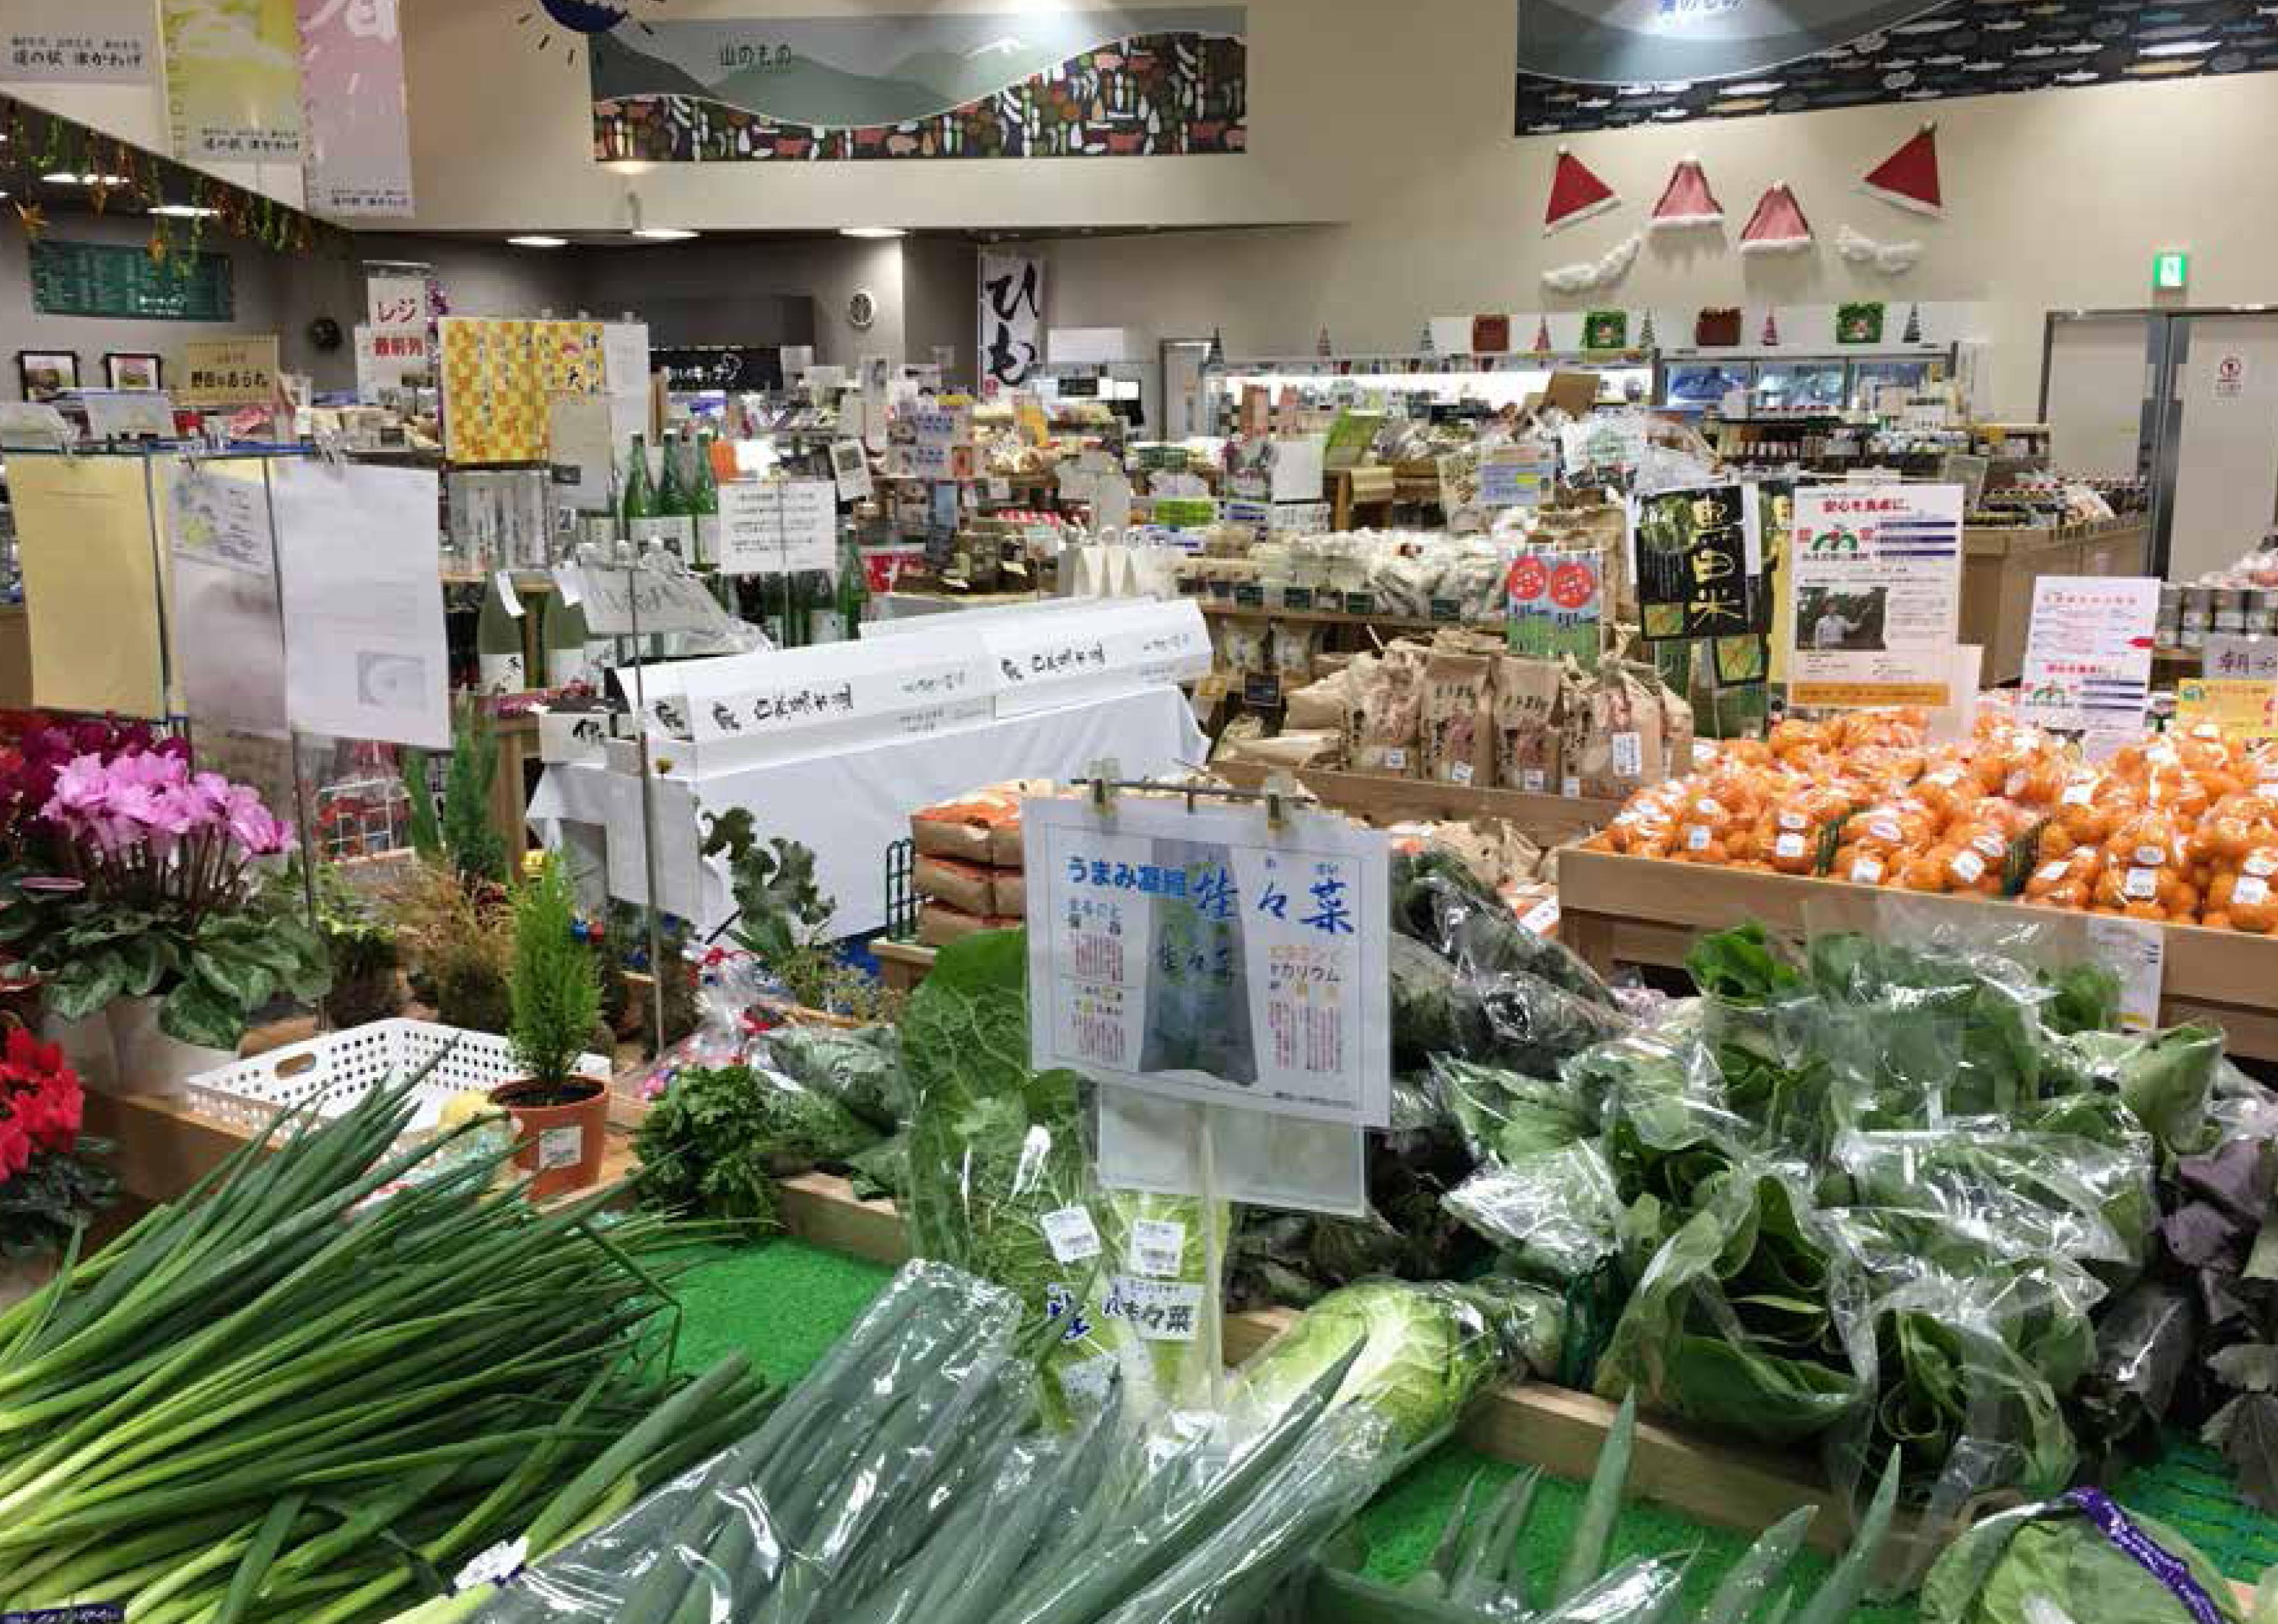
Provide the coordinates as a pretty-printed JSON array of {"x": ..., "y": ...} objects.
[
  {"x": 184, "y": 211},
  {"x": 872, "y": 232},
  {"x": 536, "y": 240},
  {"x": 663, "y": 234},
  {"x": 62, "y": 177},
  {"x": 2177, "y": 47}
]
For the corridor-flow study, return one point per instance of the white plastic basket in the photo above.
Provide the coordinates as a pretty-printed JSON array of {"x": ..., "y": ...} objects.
[{"x": 333, "y": 1072}]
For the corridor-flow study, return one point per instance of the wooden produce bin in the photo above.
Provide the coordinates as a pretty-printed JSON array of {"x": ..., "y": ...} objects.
[
  {"x": 1998, "y": 568},
  {"x": 1648, "y": 911},
  {"x": 1380, "y": 798}
]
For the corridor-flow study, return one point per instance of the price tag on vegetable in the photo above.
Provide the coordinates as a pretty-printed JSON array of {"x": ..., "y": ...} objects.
[
  {"x": 1157, "y": 1246},
  {"x": 1158, "y": 1310},
  {"x": 494, "y": 1566},
  {"x": 1070, "y": 1234}
]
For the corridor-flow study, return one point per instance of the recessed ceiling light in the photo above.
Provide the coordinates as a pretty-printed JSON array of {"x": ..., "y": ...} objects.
[
  {"x": 184, "y": 211},
  {"x": 539, "y": 242},
  {"x": 874, "y": 232},
  {"x": 663, "y": 234}
]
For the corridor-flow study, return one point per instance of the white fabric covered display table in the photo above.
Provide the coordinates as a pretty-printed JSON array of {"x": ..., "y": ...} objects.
[{"x": 850, "y": 805}]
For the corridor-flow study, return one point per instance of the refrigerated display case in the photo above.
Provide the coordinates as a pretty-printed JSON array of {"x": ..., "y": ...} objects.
[
  {"x": 1814, "y": 385},
  {"x": 1867, "y": 377},
  {"x": 1702, "y": 386}
]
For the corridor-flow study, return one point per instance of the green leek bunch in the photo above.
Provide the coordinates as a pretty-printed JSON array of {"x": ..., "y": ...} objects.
[{"x": 291, "y": 1396}]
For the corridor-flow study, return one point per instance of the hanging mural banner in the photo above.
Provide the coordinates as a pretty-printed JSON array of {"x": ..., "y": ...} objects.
[
  {"x": 358, "y": 137},
  {"x": 232, "y": 80},
  {"x": 77, "y": 42},
  {"x": 1596, "y": 65},
  {"x": 1011, "y": 320},
  {"x": 1114, "y": 81}
]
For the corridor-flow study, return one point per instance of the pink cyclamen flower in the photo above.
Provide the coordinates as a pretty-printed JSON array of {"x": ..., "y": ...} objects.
[{"x": 253, "y": 826}]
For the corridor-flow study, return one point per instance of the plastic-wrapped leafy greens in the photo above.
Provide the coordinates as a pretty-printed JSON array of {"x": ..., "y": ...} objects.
[
  {"x": 1945, "y": 1032},
  {"x": 861, "y": 1069},
  {"x": 1510, "y": 1018},
  {"x": 2015, "y": 1192},
  {"x": 2082, "y": 1555},
  {"x": 1510, "y": 1114},
  {"x": 2144, "y": 1342},
  {"x": 1437, "y": 900},
  {"x": 1553, "y": 1214},
  {"x": 2166, "y": 1077},
  {"x": 1150, "y": 1293},
  {"x": 1733, "y": 1325},
  {"x": 720, "y": 1137}
]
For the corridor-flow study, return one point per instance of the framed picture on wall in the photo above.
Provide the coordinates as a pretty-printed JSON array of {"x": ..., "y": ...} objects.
[
  {"x": 135, "y": 369},
  {"x": 46, "y": 373}
]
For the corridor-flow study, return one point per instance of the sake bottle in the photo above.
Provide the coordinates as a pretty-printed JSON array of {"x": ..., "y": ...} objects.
[
  {"x": 563, "y": 632},
  {"x": 704, "y": 501},
  {"x": 635, "y": 498},
  {"x": 676, "y": 521},
  {"x": 854, "y": 590}
]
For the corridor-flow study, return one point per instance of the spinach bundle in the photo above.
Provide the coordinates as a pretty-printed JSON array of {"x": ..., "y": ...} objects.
[
  {"x": 721, "y": 1136},
  {"x": 1731, "y": 1326},
  {"x": 1551, "y": 1215}
]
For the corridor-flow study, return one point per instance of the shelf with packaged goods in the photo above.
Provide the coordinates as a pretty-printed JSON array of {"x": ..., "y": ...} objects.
[
  {"x": 1381, "y": 797},
  {"x": 1222, "y": 609},
  {"x": 1615, "y": 910}
]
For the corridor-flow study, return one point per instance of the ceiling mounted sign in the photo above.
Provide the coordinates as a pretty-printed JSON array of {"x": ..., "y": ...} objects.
[
  {"x": 1597, "y": 65},
  {"x": 232, "y": 80},
  {"x": 1115, "y": 81},
  {"x": 357, "y": 135}
]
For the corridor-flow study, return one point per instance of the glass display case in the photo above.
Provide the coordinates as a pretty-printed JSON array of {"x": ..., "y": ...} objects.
[
  {"x": 1815, "y": 386},
  {"x": 1700, "y": 385},
  {"x": 1869, "y": 377}
]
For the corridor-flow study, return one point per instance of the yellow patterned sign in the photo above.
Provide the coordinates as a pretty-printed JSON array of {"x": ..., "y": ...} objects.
[{"x": 499, "y": 374}]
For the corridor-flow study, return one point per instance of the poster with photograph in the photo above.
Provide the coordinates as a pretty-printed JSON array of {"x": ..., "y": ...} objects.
[
  {"x": 1875, "y": 585},
  {"x": 1207, "y": 955},
  {"x": 2088, "y": 653}
]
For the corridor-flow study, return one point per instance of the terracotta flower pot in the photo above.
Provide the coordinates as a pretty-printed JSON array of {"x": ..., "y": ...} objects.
[{"x": 560, "y": 1129}]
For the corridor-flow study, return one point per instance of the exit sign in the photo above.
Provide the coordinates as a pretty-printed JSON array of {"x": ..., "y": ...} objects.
[{"x": 2171, "y": 272}]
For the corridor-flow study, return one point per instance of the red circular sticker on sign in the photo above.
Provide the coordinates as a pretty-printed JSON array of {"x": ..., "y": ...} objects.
[
  {"x": 1529, "y": 579},
  {"x": 1572, "y": 585}
]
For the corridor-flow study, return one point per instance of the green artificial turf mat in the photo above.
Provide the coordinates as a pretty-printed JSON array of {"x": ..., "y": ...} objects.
[
  {"x": 2192, "y": 1490},
  {"x": 1405, "y": 1523},
  {"x": 783, "y": 1302}
]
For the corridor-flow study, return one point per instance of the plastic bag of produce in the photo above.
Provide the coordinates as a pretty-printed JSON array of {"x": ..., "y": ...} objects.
[
  {"x": 1552, "y": 1214},
  {"x": 2013, "y": 1191},
  {"x": 2081, "y": 1557},
  {"x": 1733, "y": 1325},
  {"x": 861, "y": 1069},
  {"x": 1514, "y": 1017},
  {"x": 1438, "y": 901}
]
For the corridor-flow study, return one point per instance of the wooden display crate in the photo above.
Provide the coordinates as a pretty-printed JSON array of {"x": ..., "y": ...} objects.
[
  {"x": 1381, "y": 798},
  {"x": 1998, "y": 568},
  {"x": 1648, "y": 911}
]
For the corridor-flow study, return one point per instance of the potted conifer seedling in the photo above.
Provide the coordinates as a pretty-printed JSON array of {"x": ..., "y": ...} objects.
[{"x": 561, "y": 1118}]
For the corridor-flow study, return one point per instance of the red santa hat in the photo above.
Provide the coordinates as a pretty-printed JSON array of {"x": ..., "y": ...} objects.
[
  {"x": 1575, "y": 194},
  {"x": 1777, "y": 227},
  {"x": 1687, "y": 199},
  {"x": 1909, "y": 178}
]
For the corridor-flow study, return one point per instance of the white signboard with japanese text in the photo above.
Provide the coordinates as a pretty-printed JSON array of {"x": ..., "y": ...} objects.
[
  {"x": 2088, "y": 654},
  {"x": 77, "y": 42},
  {"x": 810, "y": 701},
  {"x": 771, "y": 526},
  {"x": 2253, "y": 659},
  {"x": 1876, "y": 574},
  {"x": 1040, "y": 660},
  {"x": 1208, "y": 956},
  {"x": 619, "y": 598}
]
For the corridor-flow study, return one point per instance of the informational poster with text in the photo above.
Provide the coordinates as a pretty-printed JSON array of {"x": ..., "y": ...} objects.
[
  {"x": 2088, "y": 654},
  {"x": 1204, "y": 955},
  {"x": 1875, "y": 576}
]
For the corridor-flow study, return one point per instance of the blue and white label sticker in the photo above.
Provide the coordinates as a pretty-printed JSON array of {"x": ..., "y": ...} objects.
[
  {"x": 496, "y": 1566},
  {"x": 1158, "y": 1246},
  {"x": 1071, "y": 1234},
  {"x": 85, "y": 1613}
]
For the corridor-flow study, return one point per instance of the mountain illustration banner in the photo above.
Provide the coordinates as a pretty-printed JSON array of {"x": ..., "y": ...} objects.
[
  {"x": 1597, "y": 65},
  {"x": 1110, "y": 82}
]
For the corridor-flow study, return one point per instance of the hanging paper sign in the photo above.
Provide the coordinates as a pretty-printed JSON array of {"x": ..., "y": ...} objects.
[
  {"x": 356, "y": 131},
  {"x": 1208, "y": 956},
  {"x": 226, "y": 372},
  {"x": 850, "y": 467},
  {"x": 809, "y": 701},
  {"x": 232, "y": 80},
  {"x": 77, "y": 42},
  {"x": 775, "y": 526},
  {"x": 1012, "y": 319},
  {"x": 1602, "y": 446},
  {"x": 1691, "y": 551},
  {"x": 1557, "y": 604},
  {"x": 2087, "y": 655},
  {"x": 1874, "y": 574},
  {"x": 617, "y": 601}
]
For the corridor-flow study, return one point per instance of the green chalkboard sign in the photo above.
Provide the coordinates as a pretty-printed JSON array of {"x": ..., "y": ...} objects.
[{"x": 102, "y": 278}]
